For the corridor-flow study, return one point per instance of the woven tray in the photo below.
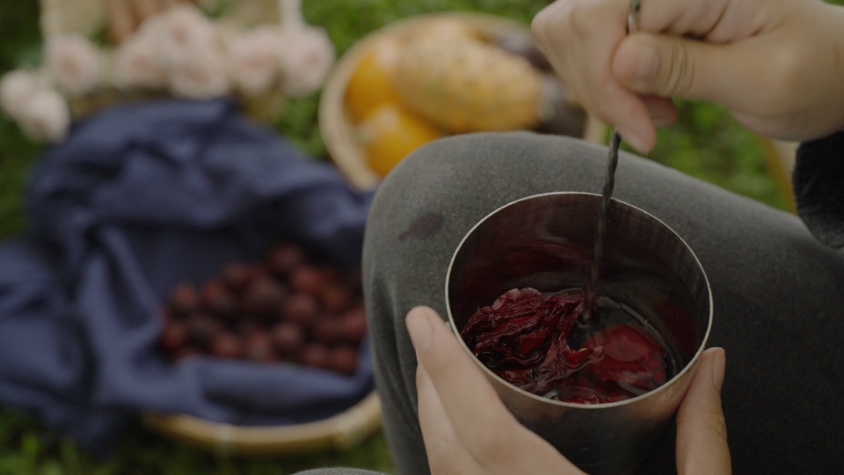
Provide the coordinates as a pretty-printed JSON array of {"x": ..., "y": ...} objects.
[
  {"x": 87, "y": 17},
  {"x": 335, "y": 433},
  {"x": 335, "y": 125}
]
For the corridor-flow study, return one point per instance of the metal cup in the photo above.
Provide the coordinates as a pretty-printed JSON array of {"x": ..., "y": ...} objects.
[{"x": 546, "y": 242}]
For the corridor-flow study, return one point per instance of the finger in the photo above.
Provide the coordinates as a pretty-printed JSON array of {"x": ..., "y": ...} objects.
[
  {"x": 671, "y": 66},
  {"x": 453, "y": 373},
  {"x": 121, "y": 21},
  {"x": 628, "y": 114},
  {"x": 662, "y": 110},
  {"x": 701, "y": 429},
  {"x": 441, "y": 444},
  {"x": 482, "y": 424},
  {"x": 713, "y": 20},
  {"x": 581, "y": 55}
]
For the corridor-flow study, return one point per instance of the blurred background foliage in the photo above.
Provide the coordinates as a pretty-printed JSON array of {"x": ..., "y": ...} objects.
[{"x": 706, "y": 143}]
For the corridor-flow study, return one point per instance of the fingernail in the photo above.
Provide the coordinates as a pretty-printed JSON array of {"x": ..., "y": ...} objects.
[
  {"x": 719, "y": 365},
  {"x": 418, "y": 323},
  {"x": 635, "y": 140},
  {"x": 662, "y": 111},
  {"x": 636, "y": 64}
]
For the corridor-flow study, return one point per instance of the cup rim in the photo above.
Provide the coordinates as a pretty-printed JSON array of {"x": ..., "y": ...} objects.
[{"x": 687, "y": 368}]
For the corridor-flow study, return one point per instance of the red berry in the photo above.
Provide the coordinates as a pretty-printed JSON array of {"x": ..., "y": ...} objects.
[
  {"x": 343, "y": 359},
  {"x": 300, "y": 308},
  {"x": 354, "y": 325},
  {"x": 224, "y": 305},
  {"x": 288, "y": 338},
  {"x": 174, "y": 336},
  {"x": 202, "y": 327},
  {"x": 237, "y": 276},
  {"x": 259, "y": 347},
  {"x": 226, "y": 345},
  {"x": 328, "y": 329},
  {"x": 245, "y": 325},
  {"x": 354, "y": 281},
  {"x": 314, "y": 355},
  {"x": 335, "y": 298},
  {"x": 284, "y": 258},
  {"x": 264, "y": 298},
  {"x": 210, "y": 291},
  {"x": 184, "y": 299},
  {"x": 284, "y": 306},
  {"x": 308, "y": 278}
]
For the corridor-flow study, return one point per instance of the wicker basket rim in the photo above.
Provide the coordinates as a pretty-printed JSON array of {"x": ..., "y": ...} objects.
[
  {"x": 334, "y": 124},
  {"x": 336, "y": 432}
]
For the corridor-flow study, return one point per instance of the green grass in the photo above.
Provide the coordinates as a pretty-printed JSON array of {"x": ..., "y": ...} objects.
[
  {"x": 27, "y": 449},
  {"x": 706, "y": 143}
]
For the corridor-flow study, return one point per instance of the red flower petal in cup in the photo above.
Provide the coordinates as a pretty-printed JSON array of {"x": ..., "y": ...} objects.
[
  {"x": 523, "y": 337},
  {"x": 632, "y": 358}
]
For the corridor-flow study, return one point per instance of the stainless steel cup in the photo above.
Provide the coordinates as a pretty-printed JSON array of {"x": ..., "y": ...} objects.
[{"x": 546, "y": 242}]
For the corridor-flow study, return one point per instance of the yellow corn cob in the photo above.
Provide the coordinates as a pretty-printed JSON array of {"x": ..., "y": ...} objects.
[{"x": 466, "y": 85}]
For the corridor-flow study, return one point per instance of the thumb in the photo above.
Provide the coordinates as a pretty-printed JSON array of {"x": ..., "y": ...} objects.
[
  {"x": 669, "y": 66},
  {"x": 701, "y": 430}
]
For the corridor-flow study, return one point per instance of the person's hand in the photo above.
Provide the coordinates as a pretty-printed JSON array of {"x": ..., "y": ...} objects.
[
  {"x": 777, "y": 66},
  {"x": 468, "y": 430},
  {"x": 124, "y": 16},
  {"x": 701, "y": 429}
]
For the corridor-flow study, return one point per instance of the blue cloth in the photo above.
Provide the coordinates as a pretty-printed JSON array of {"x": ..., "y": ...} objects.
[{"x": 137, "y": 200}]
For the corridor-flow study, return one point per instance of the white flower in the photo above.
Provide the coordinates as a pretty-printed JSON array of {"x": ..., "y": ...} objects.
[
  {"x": 16, "y": 88},
  {"x": 137, "y": 65},
  {"x": 203, "y": 76},
  {"x": 181, "y": 33},
  {"x": 253, "y": 64},
  {"x": 306, "y": 55},
  {"x": 225, "y": 32},
  {"x": 150, "y": 27},
  {"x": 45, "y": 116},
  {"x": 291, "y": 13},
  {"x": 74, "y": 63}
]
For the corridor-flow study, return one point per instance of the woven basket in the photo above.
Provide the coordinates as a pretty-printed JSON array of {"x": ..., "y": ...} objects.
[
  {"x": 87, "y": 17},
  {"x": 335, "y": 433},
  {"x": 336, "y": 127}
]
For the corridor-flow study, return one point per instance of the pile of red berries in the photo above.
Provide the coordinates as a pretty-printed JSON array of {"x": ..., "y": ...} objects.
[{"x": 283, "y": 308}]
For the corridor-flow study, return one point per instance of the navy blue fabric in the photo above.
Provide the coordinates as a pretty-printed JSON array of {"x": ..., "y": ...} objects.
[{"x": 137, "y": 200}]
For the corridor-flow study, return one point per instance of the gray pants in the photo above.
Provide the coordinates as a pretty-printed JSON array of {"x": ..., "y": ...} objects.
[{"x": 778, "y": 293}]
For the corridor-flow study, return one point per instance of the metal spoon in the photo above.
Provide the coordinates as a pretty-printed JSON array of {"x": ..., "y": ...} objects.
[{"x": 609, "y": 184}]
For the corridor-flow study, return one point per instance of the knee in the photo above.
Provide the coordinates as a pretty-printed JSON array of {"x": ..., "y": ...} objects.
[
  {"x": 449, "y": 160},
  {"x": 475, "y": 153},
  {"x": 483, "y": 163}
]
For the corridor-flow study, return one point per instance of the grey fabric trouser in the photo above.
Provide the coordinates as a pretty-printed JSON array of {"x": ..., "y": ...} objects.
[{"x": 778, "y": 293}]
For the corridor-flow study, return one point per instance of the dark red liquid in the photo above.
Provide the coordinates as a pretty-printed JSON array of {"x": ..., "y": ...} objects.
[{"x": 538, "y": 343}]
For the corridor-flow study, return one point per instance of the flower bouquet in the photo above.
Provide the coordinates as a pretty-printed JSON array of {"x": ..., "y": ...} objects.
[{"x": 188, "y": 51}]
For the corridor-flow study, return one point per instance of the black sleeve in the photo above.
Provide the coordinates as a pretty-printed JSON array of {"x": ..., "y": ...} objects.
[{"x": 818, "y": 181}]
